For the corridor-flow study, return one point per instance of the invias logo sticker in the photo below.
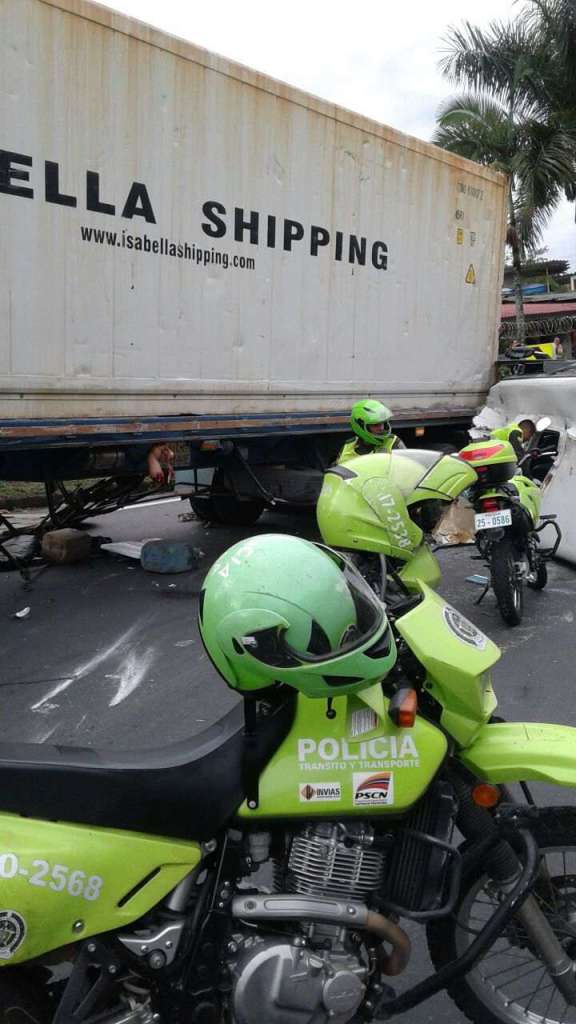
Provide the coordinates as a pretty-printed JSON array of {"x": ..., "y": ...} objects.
[
  {"x": 319, "y": 792},
  {"x": 373, "y": 789}
]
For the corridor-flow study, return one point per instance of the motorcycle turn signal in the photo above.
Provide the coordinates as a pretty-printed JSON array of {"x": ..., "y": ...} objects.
[{"x": 403, "y": 707}]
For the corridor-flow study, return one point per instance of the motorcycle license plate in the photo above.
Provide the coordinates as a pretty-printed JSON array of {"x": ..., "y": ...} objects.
[{"x": 492, "y": 520}]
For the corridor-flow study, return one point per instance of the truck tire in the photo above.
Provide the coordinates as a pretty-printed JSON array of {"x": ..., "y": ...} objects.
[
  {"x": 204, "y": 510},
  {"x": 507, "y": 585},
  {"x": 222, "y": 506}
]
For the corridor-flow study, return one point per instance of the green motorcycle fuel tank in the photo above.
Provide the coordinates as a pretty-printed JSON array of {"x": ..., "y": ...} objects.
[
  {"x": 386, "y": 503},
  {"x": 356, "y": 762}
]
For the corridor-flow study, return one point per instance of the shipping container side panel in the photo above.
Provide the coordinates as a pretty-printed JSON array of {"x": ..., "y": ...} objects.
[{"x": 181, "y": 233}]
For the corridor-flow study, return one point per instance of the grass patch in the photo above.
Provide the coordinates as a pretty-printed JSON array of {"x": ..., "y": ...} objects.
[{"x": 21, "y": 494}]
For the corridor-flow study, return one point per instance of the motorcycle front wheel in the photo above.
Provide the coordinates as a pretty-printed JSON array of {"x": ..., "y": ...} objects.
[
  {"x": 506, "y": 581},
  {"x": 510, "y": 984}
]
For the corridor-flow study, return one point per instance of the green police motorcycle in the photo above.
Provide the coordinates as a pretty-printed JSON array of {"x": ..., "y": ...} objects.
[
  {"x": 507, "y": 519},
  {"x": 264, "y": 872},
  {"x": 381, "y": 509}
]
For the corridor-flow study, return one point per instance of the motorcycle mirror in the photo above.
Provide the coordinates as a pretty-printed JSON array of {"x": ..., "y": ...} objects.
[{"x": 543, "y": 423}]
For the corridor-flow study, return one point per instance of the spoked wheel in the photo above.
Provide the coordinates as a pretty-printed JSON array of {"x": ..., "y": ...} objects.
[
  {"x": 507, "y": 581},
  {"x": 21, "y": 1001},
  {"x": 511, "y": 985},
  {"x": 541, "y": 575}
]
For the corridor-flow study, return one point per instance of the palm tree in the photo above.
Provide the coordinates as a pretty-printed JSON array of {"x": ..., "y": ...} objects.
[
  {"x": 503, "y": 122},
  {"x": 553, "y": 23}
]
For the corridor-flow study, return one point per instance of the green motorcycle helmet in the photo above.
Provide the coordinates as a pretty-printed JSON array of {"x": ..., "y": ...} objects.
[
  {"x": 279, "y": 609},
  {"x": 369, "y": 413}
]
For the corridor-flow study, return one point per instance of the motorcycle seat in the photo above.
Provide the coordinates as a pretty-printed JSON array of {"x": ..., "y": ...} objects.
[{"x": 185, "y": 790}]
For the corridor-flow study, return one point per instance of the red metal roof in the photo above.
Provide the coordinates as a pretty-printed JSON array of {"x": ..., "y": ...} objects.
[{"x": 538, "y": 309}]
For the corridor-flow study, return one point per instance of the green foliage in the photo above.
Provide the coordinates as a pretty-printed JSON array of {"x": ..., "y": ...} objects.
[{"x": 518, "y": 112}]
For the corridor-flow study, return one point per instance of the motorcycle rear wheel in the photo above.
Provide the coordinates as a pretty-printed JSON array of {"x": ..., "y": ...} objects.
[
  {"x": 506, "y": 583},
  {"x": 510, "y": 985},
  {"x": 21, "y": 1000}
]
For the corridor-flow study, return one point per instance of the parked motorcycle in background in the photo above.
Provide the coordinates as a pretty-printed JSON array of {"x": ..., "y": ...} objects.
[{"x": 507, "y": 517}]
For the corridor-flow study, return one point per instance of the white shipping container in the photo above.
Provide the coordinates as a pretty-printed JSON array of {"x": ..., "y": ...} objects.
[{"x": 180, "y": 235}]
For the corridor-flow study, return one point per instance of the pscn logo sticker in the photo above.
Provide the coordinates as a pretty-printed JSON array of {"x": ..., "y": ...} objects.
[{"x": 373, "y": 790}]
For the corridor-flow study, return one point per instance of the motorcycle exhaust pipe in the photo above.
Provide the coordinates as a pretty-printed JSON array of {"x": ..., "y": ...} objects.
[{"x": 331, "y": 911}]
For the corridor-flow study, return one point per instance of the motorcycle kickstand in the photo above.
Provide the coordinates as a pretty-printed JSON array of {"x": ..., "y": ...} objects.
[{"x": 483, "y": 594}]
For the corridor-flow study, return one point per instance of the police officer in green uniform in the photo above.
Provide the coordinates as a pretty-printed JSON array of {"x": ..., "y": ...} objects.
[
  {"x": 518, "y": 434},
  {"x": 370, "y": 421}
]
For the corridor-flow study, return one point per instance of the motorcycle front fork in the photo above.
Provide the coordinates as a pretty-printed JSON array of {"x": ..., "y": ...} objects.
[{"x": 543, "y": 938}]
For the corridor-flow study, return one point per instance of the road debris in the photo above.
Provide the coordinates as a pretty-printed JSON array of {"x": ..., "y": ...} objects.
[
  {"x": 127, "y": 548},
  {"x": 456, "y": 526},
  {"x": 66, "y": 546},
  {"x": 23, "y": 613},
  {"x": 165, "y": 556}
]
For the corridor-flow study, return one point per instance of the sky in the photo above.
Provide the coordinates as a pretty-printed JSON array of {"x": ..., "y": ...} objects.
[{"x": 377, "y": 57}]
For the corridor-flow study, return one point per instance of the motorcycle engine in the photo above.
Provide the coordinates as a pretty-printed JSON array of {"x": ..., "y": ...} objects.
[{"x": 319, "y": 971}]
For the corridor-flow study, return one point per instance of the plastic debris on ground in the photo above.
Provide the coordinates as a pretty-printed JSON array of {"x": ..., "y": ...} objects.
[
  {"x": 165, "y": 556},
  {"x": 481, "y": 581},
  {"x": 127, "y": 548},
  {"x": 23, "y": 613}
]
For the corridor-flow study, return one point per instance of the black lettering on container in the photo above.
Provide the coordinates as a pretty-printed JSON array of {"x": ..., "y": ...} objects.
[
  {"x": 318, "y": 236},
  {"x": 357, "y": 250},
  {"x": 216, "y": 227},
  {"x": 138, "y": 203},
  {"x": 380, "y": 256},
  {"x": 93, "y": 201},
  {"x": 241, "y": 225},
  {"x": 9, "y": 173},
  {"x": 52, "y": 186},
  {"x": 293, "y": 232}
]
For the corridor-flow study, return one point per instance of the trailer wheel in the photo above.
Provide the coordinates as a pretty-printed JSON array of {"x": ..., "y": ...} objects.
[
  {"x": 230, "y": 510},
  {"x": 222, "y": 506},
  {"x": 204, "y": 510}
]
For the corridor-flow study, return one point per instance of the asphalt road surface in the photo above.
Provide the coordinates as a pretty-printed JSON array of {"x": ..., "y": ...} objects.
[{"x": 109, "y": 656}]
